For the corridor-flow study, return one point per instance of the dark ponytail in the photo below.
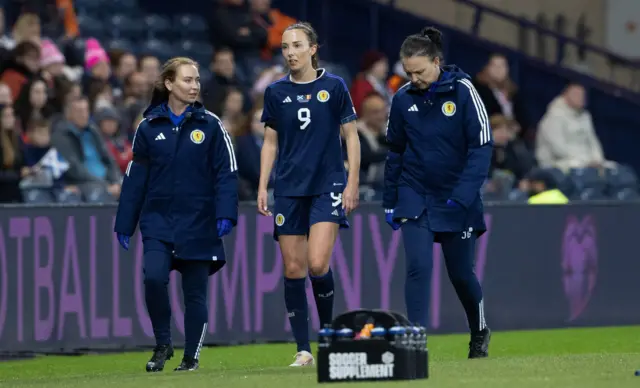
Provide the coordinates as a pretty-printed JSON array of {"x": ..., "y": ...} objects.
[
  {"x": 427, "y": 43},
  {"x": 312, "y": 36}
]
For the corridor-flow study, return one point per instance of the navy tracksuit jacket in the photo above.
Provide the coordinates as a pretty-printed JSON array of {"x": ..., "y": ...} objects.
[
  {"x": 180, "y": 181},
  {"x": 440, "y": 149}
]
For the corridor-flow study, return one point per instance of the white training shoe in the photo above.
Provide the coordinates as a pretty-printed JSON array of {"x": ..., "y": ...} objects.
[{"x": 303, "y": 358}]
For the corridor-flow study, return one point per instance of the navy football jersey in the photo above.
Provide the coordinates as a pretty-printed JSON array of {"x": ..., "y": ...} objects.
[{"x": 307, "y": 117}]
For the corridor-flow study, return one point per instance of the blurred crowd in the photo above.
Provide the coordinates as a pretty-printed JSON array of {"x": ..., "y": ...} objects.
[{"x": 69, "y": 108}]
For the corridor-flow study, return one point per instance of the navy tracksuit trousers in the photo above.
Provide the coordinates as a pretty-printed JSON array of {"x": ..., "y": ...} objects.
[
  {"x": 158, "y": 263},
  {"x": 459, "y": 254}
]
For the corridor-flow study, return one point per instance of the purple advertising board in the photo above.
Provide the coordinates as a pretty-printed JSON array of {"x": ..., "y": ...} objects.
[{"x": 65, "y": 283}]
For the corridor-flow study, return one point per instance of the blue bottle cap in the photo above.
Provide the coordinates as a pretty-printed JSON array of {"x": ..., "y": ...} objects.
[
  {"x": 397, "y": 330},
  {"x": 326, "y": 331},
  {"x": 344, "y": 332},
  {"x": 378, "y": 331}
]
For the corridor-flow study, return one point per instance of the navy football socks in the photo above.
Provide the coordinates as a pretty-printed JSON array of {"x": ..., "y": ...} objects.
[
  {"x": 323, "y": 294},
  {"x": 295, "y": 299}
]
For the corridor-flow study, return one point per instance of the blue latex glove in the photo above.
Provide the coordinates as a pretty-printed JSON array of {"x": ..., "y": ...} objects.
[
  {"x": 389, "y": 218},
  {"x": 452, "y": 203},
  {"x": 224, "y": 227},
  {"x": 123, "y": 240}
]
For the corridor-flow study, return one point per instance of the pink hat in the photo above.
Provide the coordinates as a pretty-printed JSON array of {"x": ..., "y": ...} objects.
[
  {"x": 50, "y": 54},
  {"x": 94, "y": 54}
]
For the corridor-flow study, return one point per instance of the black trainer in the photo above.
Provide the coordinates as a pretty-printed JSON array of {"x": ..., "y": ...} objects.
[
  {"x": 479, "y": 344},
  {"x": 161, "y": 354},
  {"x": 188, "y": 363}
]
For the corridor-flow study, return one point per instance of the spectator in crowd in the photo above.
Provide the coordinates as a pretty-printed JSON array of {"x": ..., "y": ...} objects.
[
  {"x": 100, "y": 96},
  {"x": 566, "y": 136},
  {"x": 26, "y": 29},
  {"x": 23, "y": 66},
  {"x": 50, "y": 185},
  {"x": 235, "y": 26},
  {"x": 223, "y": 76},
  {"x": 12, "y": 167},
  {"x": 119, "y": 146},
  {"x": 511, "y": 160},
  {"x": 248, "y": 146},
  {"x": 542, "y": 189},
  {"x": 135, "y": 89},
  {"x": 372, "y": 125},
  {"x": 51, "y": 61},
  {"x": 398, "y": 78},
  {"x": 277, "y": 22},
  {"x": 150, "y": 67},
  {"x": 266, "y": 78},
  {"x": 509, "y": 152},
  {"x": 5, "y": 95},
  {"x": 134, "y": 98},
  {"x": 124, "y": 64},
  {"x": 500, "y": 95},
  {"x": 82, "y": 146},
  {"x": 229, "y": 109},
  {"x": 374, "y": 71},
  {"x": 97, "y": 64},
  {"x": 32, "y": 103},
  {"x": 70, "y": 22}
]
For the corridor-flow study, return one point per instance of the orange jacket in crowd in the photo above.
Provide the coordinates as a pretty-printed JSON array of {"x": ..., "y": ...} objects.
[
  {"x": 280, "y": 23},
  {"x": 69, "y": 18}
]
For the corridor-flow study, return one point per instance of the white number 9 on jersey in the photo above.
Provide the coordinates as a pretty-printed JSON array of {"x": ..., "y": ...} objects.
[{"x": 304, "y": 115}]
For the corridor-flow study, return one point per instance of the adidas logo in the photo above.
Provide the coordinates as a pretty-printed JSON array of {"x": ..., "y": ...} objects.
[
  {"x": 413, "y": 108},
  {"x": 286, "y": 100},
  {"x": 161, "y": 137},
  {"x": 335, "y": 213}
]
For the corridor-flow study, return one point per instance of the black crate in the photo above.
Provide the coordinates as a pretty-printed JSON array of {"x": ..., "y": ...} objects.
[{"x": 380, "y": 359}]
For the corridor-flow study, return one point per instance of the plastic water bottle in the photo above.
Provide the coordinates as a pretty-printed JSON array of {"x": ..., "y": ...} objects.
[
  {"x": 423, "y": 339},
  {"x": 325, "y": 336},
  {"x": 344, "y": 334},
  {"x": 397, "y": 336},
  {"x": 378, "y": 333}
]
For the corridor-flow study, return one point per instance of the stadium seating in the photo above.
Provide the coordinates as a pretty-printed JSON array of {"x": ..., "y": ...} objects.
[
  {"x": 118, "y": 24},
  {"x": 158, "y": 27},
  {"x": 191, "y": 27}
]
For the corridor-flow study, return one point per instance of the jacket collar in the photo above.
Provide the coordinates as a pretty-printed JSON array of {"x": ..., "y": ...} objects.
[{"x": 197, "y": 110}]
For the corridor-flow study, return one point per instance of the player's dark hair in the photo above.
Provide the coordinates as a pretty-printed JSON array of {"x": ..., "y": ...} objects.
[
  {"x": 312, "y": 36},
  {"x": 428, "y": 43},
  {"x": 169, "y": 72}
]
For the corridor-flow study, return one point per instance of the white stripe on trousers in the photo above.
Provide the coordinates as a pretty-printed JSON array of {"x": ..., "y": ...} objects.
[{"x": 199, "y": 348}]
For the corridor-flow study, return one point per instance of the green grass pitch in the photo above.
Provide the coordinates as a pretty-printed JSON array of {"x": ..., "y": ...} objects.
[{"x": 570, "y": 358}]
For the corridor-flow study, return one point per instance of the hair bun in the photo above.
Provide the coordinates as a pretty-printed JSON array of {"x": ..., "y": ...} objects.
[{"x": 433, "y": 34}]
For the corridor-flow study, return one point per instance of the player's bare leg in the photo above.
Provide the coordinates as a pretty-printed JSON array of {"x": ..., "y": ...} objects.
[
  {"x": 294, "y": 255},
  {"x": 322, "y": 238}
]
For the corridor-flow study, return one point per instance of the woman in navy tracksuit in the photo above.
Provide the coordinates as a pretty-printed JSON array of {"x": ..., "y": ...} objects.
[
  {"x": 440, "y": 150},
  {"x": 182, "y": 187}
]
